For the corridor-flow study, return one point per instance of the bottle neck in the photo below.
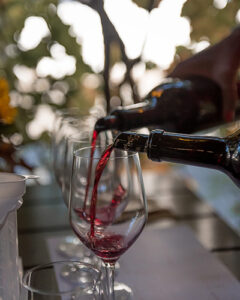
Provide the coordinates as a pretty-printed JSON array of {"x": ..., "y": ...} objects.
[
  {"x": 186, "y": 149},
  {"x": 126, "y": 118},
  {"x": 131, "y": 141},
  {"x": 109, "y": 122}
]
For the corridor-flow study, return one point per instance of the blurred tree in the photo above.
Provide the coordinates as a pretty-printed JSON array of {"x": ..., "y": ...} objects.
[{"x": 209, "y": 22}]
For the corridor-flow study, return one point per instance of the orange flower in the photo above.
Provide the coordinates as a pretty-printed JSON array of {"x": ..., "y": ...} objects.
[{"x": 7, "y": 112}]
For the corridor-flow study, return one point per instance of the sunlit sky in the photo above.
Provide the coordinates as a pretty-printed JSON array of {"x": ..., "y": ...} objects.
[{"x": 154, "y": 35}]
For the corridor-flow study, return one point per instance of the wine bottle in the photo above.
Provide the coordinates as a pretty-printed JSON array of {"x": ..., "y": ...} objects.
[
  {"x": 210, "y": 152},
  {"x": 176, "y": 105}
]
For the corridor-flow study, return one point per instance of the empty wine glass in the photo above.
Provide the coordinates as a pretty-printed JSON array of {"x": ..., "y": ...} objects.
[
  {"x": 75, "y": 125},
  {"x": 68, "y": 122},
  {"x": 77, "y": 141},
  {"x": 48, "y": 282},
  {"x": 98, "y": 207}
]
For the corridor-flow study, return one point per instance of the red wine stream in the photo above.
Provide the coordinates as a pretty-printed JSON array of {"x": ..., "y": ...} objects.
[
  {"x": 93, "y": 147},
  {"x": 99, "y": 169}
]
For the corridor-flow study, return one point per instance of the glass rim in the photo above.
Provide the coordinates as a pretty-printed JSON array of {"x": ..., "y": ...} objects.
[
  {"x": 12, "y": 178},
  {"x": 47, "y": 265},
  {"x": 73, "y": 109},
  {"x": 76, "y": 138},
  {"x": 127, "y": 154},
  {"x": 79, "y": 111}
]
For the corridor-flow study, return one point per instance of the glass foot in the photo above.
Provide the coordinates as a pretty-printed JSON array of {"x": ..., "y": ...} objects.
[{"x": 122, "y": 291}]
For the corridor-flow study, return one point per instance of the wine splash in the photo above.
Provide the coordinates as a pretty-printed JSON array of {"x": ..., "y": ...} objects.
[{"x": 106, "y": 214}]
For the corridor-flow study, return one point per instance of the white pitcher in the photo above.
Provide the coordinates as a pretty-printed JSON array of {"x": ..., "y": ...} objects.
[{"x": 12, "y": 188}]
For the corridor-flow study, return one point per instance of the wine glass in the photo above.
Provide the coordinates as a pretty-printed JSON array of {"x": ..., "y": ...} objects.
[
  {"x": 99, "y": 203},
  {"x": 77, "y": 141},
  {"x": 71, "y": 246},
  {"x": 72, "y": 128},
  {"x": 48, "y": 282},
  {"x": 69, "y": 122}
]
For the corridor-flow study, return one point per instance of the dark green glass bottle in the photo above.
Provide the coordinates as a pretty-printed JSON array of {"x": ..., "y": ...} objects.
[
  {"x": 222, "y": 154},
  {"x": 176, "y": 105}
]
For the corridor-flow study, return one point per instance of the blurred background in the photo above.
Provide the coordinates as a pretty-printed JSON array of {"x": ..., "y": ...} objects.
[
  {"x": 61, "y": 54},
  {"x": 57, "y": 54}
]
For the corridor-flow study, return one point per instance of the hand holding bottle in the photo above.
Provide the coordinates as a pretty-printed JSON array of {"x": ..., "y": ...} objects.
[{"x": 220, "y": 63}]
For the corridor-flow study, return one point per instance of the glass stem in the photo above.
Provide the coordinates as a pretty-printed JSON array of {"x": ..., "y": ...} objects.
[{"x": 110, "y": 268}]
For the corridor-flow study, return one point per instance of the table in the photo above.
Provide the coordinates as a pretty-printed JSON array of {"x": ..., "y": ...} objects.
[{"x": 43, "y": 215}]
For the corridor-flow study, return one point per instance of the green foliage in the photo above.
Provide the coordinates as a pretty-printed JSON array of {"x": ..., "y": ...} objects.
[
  {"x": 210, "y": 22},
  {"x": 12, "y": 17}
]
